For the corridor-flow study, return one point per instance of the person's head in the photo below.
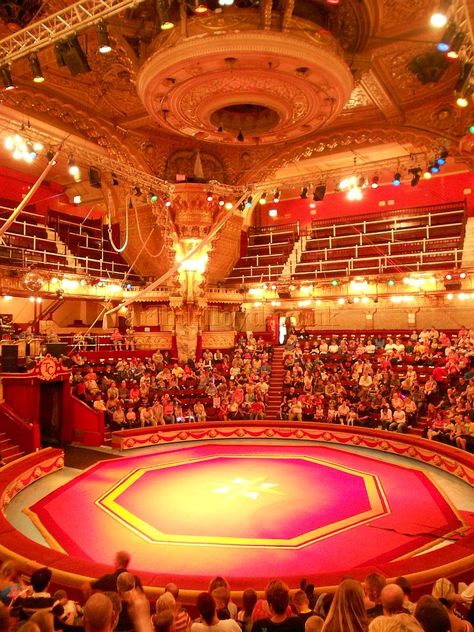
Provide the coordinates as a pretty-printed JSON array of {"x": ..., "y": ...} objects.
[
  {"x": 218, "y": 581},
  {"x": 432, "y": 615},
  {"x": 300, "y": 600},
  {"x": 206, "y": 606},
  {"x": 404, "y": 585},
  {"x": 373, "y": 585},
  {"x": 122, "y": 559},
  {"x": 222, "y": 597},
  {"x": 40, "y": 579},
  {"x": 347, "y": 611},
  {"x": 444, "y": 591},
  {"x": 125, "y": 583},
  {"x": 44, "y": 620},
  {"x": 313, "y": 624},
  {"x": 173, "y": 589},
  {"x": 396, "y": 623},
  {"x": 98, "y": 614},
  {"x": 249, "y": 599},
  {"x": 392, "y": 598},
  {"x": 278, "y": 596},
  {"x": 163, "y": 621},
  {"x": 165, "y": 602}
]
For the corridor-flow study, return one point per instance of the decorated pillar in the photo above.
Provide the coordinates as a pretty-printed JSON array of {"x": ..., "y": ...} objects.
[{"x": 193, "y": 215}]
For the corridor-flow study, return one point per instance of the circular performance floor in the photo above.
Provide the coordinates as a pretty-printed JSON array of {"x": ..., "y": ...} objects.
[{"x": 252, "y": 511}]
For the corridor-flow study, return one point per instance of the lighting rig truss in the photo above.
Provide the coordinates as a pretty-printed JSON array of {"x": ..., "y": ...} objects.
[{"x": 59, "y": 26}]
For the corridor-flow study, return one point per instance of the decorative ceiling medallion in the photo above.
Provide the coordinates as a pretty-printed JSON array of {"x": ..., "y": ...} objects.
[{"x": 245, "y": 86}]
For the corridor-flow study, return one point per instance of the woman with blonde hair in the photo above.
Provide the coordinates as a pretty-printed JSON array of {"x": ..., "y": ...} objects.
[
  {"x": 347, "y": 612},
  {"x": 443, "y": 590}
]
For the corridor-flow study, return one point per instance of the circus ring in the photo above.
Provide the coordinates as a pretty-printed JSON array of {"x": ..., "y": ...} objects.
[{"x": 249, "y": 502}]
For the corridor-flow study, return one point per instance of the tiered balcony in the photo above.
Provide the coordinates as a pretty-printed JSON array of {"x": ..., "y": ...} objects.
[
  {"x": 416, "y": 240},
  {"x": 267, "y": 251}
]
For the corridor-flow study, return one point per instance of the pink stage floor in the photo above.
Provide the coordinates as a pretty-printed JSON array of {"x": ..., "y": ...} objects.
[{"x": 249, "y": 512}]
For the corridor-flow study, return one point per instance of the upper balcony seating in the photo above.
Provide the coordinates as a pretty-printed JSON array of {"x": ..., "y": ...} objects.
[
  {"x": 266, "y": 253},
  {"x": 423, "y": 239}
]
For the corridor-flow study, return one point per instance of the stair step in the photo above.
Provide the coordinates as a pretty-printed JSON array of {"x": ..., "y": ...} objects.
[{"x": 11, "y": 449}]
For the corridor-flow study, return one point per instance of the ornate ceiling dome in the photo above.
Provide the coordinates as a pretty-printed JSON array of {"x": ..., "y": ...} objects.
[{"x": 224, "y": 79}]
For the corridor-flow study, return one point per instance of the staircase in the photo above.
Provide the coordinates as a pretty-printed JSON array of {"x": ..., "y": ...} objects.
[
  {"x": 8, "y": 450},
  {"x": 275, "y": 383}
]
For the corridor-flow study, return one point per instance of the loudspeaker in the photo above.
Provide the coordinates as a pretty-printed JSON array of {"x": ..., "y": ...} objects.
[
  {"x": 319, "y": 193},
  {"x": 69, "y": 53},
  {"x": 9, "y": 358},
  {"x": 56, "y": 349},
  {"x": 94, "y": 178}
]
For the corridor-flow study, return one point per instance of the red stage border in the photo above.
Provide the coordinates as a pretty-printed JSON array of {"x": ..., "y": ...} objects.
[{"x": 72, "y": 572}]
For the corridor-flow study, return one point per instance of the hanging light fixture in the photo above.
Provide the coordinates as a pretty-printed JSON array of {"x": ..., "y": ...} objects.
[
  {"x": 263, "y": 198},
  {"x": 200, "y": 7},
  {"x": 103, "y": 37},
  {"x": 7, "y": 80},
  {"x": 447, "y": 38},
  {"x": 277, "y": 196},
  {"x": 416, "y": 175},
  {"x": 375, "y": 182},
  {"x": 440, "y": 17},
  {"x": 164, "y": 16},
  {"x": 35, "y": 68},
  {"x": 397, "y": 178},
  {"x": 240, "y": 136},
  {"x": 72, "y": 167},
  {"x": 456, "y": 44}
]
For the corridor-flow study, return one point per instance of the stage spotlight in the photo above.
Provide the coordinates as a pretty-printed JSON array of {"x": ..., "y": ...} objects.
[
  {"x": 434, "y": 168},
  {"x": 273, "y": 212},
  {"x": 263, "y": 198},
  {"x": 334, "y": 282},
  {"x": 375, "y": 182},
  {"x": 240, "y": 136},
  {"x": 6, "y": 75},
  {"x": 221, "y": 201},
  {"x": 397, "y": 178},
  {"x": 200, "y": 7},
  {"x": 448, "y": 36},
  {"x": 416, "y": 175},
  {"x": 35, "y": 68},
  {"x": 249, "y": 201},
  {"x": 72, "y": 167},
  {"x": 276, "y": 196},
  {"x": 456, "y": 44},
  {"x": 463, "y": 275},
  {"x": 153, "y": 197},
  {"x": 163, "y": 15},
  {"x": 391, "y": 282},
  {"x": 441, "y": 160},
  {"x": 103, "y": 38},
  {"x": 427, "y": 173},
  {"x": 304, "y": 193},
  {"x": 210, "y": 197},
  {"x": 440, "y": 17},
  {"x": 463, "y": 89}
]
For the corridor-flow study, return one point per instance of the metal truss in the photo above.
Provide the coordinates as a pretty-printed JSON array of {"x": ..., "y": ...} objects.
[
  {"x": 58, "y": 26},
  {"x": 461, "y": 17}
]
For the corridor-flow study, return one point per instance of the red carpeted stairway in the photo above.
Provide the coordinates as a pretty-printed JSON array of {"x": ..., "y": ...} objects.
[
  {"x": 8, "y": 450},
  {"x": 276, "y": 384}
]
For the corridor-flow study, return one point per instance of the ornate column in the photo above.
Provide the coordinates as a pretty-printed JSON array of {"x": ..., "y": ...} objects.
[{"x": 193, "y": 216}]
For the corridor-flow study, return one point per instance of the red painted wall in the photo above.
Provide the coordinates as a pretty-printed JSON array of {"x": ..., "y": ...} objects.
[
  {"x": 15, "y": 185},
  {"x": 386, "y": 198}
]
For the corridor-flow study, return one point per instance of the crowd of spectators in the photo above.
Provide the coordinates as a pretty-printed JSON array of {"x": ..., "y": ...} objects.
[
  {"x": 390, "y": 383},
  {"x": 117, "y": 602},
  {"x": 220, "y": 385}
]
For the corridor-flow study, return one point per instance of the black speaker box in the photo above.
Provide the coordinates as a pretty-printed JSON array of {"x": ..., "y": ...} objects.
[
  {"x": 94, "y": 178},
  {"x": 69, "y": 53},
  {"x": 56, "y": 349},
  {"x": 319, "y": 193}
]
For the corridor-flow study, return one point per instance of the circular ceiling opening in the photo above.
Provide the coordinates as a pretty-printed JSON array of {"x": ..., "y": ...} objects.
[{"x": 248, "y": 117}]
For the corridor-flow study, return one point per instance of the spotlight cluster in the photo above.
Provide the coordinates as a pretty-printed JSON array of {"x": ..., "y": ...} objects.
[
  {"x": 69, "y": 53},
  {"x": 451, "y": 43},
  {"x": 23, "y": 149}
]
